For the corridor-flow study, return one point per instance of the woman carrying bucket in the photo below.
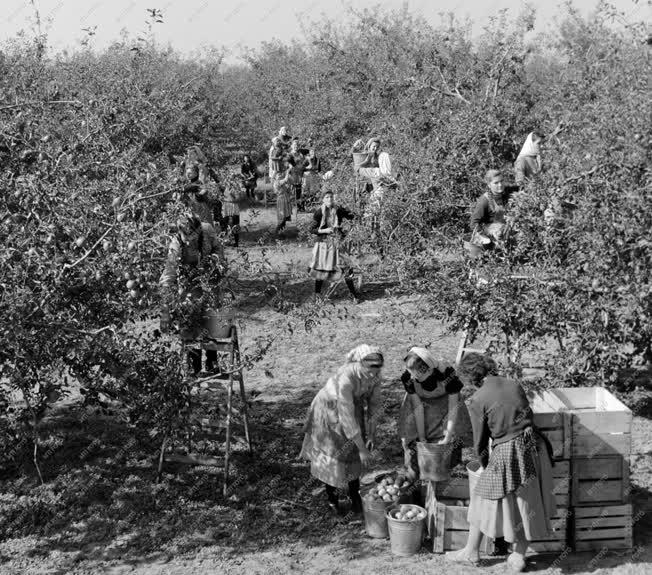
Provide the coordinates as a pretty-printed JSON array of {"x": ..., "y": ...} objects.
[
  {"x": 431, "y": 405},
  {"x": 513, "y": 497},
  {"x": 341, "y": 424}
]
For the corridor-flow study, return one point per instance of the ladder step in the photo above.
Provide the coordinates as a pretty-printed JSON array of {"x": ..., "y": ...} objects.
[{"x": 193, "y": 459}]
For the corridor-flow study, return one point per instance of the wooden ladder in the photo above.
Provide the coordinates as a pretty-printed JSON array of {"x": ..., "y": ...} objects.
[
  {"x": 230, "y": 345},
  {"x": 463, "y": 347}
]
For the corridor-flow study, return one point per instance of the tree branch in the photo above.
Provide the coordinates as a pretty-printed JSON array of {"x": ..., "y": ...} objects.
[
  {"x": 32, "y": 102},
  {"x": 582, "y": 175},
  {"x": 89, "y": 252}
]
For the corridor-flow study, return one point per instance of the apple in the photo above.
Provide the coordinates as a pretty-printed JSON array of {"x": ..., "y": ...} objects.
[
  {"x": 131, "y": 246},
  {"x": 133, "y": 294},
  {"x": 120, "y": 216},
  {"x": 106, "y": 245},
  {"x": 79, "y": 242},
  {"x": 131, "y": 284}
]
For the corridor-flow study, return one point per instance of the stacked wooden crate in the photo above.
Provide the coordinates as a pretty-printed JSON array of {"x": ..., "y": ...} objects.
[
  {"x": 553, "y": 422},
  {"x": 597, "y": 438}
]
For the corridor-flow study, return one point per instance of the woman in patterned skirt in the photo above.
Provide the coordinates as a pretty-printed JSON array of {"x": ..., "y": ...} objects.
[
  {"x": 341, "y": 425},
  {"x": 513, "y": 498}
]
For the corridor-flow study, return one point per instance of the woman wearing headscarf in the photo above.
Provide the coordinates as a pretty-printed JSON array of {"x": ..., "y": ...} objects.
[
  {"x": 431, "y": 407},
  {"x": 341, "y": 425},
  {"x": 528, "y": 162},
  {"x": 377, "y": 168},
  {"x": 513, "y": 498},
  {"x": 328, "y": 263}
]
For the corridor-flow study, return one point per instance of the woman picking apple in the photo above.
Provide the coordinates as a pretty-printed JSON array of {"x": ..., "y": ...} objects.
[
  {"x": 341, "y": 424},
  {"x": 194, "y": 253}
]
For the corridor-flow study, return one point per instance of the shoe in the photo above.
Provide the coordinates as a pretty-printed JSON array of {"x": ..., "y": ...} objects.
[
  {"x": 516, "y": 563},
  {"x": 501, "y": 548},
  {"x": 461, "y": 557}
]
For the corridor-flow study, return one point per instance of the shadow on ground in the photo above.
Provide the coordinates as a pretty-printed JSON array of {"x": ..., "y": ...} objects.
[{"x": 101, "y": 502}]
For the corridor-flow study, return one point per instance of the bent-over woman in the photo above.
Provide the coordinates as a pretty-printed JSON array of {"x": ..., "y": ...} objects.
[
  {"x": 431, "y": 406},
  {"x": 513, "y": 498},
  {"x": 341, "y": 425}
]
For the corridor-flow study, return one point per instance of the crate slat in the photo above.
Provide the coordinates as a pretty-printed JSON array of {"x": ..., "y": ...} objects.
[
  {"x": 593, "y": 492},
  {"x": 602, "y": 444},
  {"x": 603, "y": 511},
  {"x": 602, "y": 422},
  {"x": 603, "y": 527},
  {"x": 596, "y": 534},
  {"x": 624, "y": 543},
  {"x": 455, "y": 518}
]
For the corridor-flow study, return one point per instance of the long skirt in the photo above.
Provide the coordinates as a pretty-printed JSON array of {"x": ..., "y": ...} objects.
[
  {"x": 283, "y": 207},
  {"x": 525, "y": 512},
  {"x": 230, "y": 208},
  {"x": 325, "y": 263},
  {"x": 334, "y": 459}
]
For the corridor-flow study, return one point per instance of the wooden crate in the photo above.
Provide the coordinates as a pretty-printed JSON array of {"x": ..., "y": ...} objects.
[
  {"x": 552, "y": 419},
  {"x": 599, "y": 481},
  {"x": 604, "y": 527},
  {"x": 558, "y": 539},
  {"x": 600, "y": 423},
  {"x": 449, "y": 528},
  {"x": 562, "y": 481}
]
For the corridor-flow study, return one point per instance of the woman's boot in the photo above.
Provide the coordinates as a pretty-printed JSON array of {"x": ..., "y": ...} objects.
[
  {"x": 354, "y": 495},
  {"x": 333, "y": 500}
]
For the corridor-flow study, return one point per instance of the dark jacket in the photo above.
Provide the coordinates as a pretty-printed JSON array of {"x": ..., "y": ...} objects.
[
  {"x": 484, "y": 213},
  {"x": 316, "y": 224}
]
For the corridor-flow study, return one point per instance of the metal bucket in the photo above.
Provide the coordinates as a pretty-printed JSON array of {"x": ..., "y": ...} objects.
[
  {"x": 218, "y": 324},
  {"x": 434, "y": 460},
  {"x": 375, "y": 520},
  {"x": 405, "y": 537}
]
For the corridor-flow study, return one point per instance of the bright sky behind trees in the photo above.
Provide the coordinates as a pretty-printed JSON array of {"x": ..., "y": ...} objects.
[{"x": 192, "y": 25}]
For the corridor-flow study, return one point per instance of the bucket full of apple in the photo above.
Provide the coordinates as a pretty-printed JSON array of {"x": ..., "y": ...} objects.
[{"x": 389, "y": 490}]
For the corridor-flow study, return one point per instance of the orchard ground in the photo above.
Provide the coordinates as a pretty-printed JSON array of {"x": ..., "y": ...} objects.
[{"x": 101, "y": 511}]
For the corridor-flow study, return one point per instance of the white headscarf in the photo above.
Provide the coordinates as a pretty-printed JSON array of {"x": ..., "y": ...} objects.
[
  {"x": 359, "y": 353},
  {"x": 425, "y": 355},
  {"x": 529, "y": 150}
]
